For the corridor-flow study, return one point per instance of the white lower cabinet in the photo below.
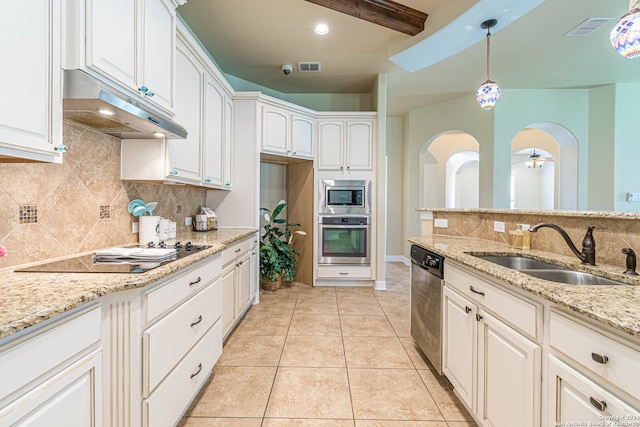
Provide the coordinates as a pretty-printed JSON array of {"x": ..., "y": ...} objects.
[
  {"x": 575, "y": 398},
  {"x": 180, "y": 348},
  {"x": 54, "y": 376},
  {"x": 239, "y": 281},
  {"x": 495, "y": 369}
]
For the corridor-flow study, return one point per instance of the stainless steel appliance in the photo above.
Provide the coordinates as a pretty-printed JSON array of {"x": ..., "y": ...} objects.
[
  {"x": 427, "y": 280},
  {"x": 344, "y": 240},
  {"x": 86, "y": 263},
  {"x": 87, "y": 101},
  {"x": 352, "y": 197}
]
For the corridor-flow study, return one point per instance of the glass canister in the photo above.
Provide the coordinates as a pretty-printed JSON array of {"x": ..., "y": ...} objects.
[{"x": 519, "y": 238}]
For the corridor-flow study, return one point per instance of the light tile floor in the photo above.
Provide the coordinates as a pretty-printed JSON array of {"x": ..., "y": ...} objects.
[{"x": 327, "y": 357}]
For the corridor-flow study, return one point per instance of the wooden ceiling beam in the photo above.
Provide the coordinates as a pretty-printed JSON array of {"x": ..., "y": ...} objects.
[{"x": 382, "y": 12}]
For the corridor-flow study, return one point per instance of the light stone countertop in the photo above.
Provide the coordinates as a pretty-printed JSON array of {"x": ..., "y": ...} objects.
[
  {"x": 556, "y": 213},
  {"x": 616, "y": 306},
  {"x": 27, "y": 299}
]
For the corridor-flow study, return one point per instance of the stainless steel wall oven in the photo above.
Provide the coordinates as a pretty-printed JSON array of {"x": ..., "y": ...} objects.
[{"x": 344, "y": 240}]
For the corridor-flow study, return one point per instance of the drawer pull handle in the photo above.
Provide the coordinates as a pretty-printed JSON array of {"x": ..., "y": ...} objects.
[
  {"x": 600, "y": 405},
  {"x": 599, "y": 358},
  {"x": 478, "y": 317},
  {"x": 198, "y": 371},
  {"x": 475, "y": 292},
  {"x": 197, "y": 321},
  {"x": 467, "y": 309},
  {"x": 198, "y": 280},
  {"x": 238, "y": 250},
  {"x": 344, "y": 274}
]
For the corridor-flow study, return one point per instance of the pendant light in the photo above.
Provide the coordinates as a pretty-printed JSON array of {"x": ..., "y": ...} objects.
[
  {"x": 534, "y": 160},
  {"x": 625, "y": 36},
  {"x": 489, "y": 92}
]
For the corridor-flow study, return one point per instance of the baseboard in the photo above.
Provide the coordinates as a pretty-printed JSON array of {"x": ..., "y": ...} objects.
[
  {"x": 397, "y": 258},
  {"x": 381, "y": 285}
]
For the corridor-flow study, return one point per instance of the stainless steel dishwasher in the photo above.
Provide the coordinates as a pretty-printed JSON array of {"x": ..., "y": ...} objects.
[{"x": 427, "y": 279}]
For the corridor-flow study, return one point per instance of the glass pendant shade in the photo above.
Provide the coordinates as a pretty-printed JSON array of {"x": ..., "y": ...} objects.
[
  {"x": 625, "y": 36},
  {"x": 488, "y": 94}
]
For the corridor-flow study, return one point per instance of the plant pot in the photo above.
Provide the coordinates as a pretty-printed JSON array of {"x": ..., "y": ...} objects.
[{"x": 271, "y": 286}]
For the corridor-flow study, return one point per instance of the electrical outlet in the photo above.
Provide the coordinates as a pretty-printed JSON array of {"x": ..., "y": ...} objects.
[
  {"x": 498, "y": 226},
  {"x": 187, "y": 220},
  {"x": 633, "y": 197},
  {"x": 525, "y": 226},
  {"x": 441, "y": 223},
  {"x": 134, "y": 227}
]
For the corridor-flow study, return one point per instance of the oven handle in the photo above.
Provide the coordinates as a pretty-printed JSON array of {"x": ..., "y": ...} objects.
[{"x": 342, "y": 226}]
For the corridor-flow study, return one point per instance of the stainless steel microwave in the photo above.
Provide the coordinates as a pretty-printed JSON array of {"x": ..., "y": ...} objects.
[{"x": 345, "y": 197}]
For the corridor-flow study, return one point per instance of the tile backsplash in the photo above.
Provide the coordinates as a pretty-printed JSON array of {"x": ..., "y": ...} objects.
[{"x": 52, "y": 210}]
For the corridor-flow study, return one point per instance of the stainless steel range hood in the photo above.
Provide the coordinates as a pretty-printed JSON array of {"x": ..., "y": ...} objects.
[{"x": 84, "y": 96}]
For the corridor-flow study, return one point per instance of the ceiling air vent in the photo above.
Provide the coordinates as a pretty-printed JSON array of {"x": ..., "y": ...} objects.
[
  {"x": 309, "y": 67},
  {"x": 588, "y": 27}
]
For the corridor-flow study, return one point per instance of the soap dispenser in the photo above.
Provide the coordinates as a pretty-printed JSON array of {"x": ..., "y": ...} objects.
[{"x": 519, "y": 238}]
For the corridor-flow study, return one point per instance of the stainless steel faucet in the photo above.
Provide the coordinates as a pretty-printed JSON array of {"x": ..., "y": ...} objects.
[{"x": 588, "y": 254}]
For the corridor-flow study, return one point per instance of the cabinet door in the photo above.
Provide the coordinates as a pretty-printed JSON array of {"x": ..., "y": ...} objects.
[
  {"x": 508, "y": 376},
  {"x": 71, "y": 398},
  {"x": 213, "y": 133},
  {"x": 30, "y": 104},
  {"x": 228, "y": 142},
  {"x": 302, "y": 131},
  {"x": 158, "y": 46},
  {"x": 185, "y": 155},
  {"x": 244, "y": 281},
  {"x": 228, "y": 297},
  {"x": 359, "y": 145},
  {"x": 254, "y": 273},
  {"x": 330, "y": 145},
  {"x": 275, "y": 131},
  {"x": 112, "y": 39},
  {"x": 459, "y": 344},
  {"x": 573, "y": 397}
]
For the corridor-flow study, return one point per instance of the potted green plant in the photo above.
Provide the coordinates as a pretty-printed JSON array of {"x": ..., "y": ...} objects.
[{"x": 277, "y": 257}]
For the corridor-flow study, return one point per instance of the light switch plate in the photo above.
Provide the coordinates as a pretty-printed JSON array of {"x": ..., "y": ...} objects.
[
  {"x": 187, "y": 220},
  {"x": 633, "y": 197},
  {"x": 498, "y": 226},
  {"x": 441, "y": 223}
]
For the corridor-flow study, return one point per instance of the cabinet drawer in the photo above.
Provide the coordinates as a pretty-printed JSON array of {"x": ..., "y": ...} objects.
[
  {"x": 345, "y": 272},
  {"x": 163, "y": 297},
  {"x": 575, "y": 397},
  {"x": 166, "y": 342},
  {"x": 167, "y": 403},
  {"x": 235, "y": 250},
  {"x": 518, "y": 312},
  {"x": 583, "y": 345},
  {"x": 46, "y": 350}
]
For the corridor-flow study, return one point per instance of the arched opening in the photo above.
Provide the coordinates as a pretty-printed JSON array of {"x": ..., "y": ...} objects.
[
  {"x": 555, "y": 187},
  {"x": 446, "y": 159}
]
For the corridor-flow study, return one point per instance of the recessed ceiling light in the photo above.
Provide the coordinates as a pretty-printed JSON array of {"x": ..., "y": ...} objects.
[
  {"x": 321, "y": 29},
  {"x": 106, "y": 111}
]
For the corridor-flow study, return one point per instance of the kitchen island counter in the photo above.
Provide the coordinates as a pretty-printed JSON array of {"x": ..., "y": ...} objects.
[
  {"x": 27, "y": 299},
  {"x": 616, "y": 306}
]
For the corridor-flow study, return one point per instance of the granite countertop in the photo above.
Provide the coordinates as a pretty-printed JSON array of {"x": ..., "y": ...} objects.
[
  {"x": 27, "y": 299},
  {"x": 616, "y": 306},
  {"x": 573, "y": 214}
]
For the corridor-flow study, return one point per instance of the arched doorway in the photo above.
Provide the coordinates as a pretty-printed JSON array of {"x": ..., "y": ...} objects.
[
  {"x": 560, "y": 148},
  {"x": 438, "y": 175}
]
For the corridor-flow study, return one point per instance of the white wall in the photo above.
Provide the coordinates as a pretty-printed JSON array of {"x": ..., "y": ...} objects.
[
  {"x": 394, "y": 186},
  {"x": 534, "y": 187},
  {"x": 466, "y": 184}
]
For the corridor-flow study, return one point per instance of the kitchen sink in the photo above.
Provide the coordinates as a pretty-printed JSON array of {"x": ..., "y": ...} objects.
[
  {"x": 547, "y": 271},
  {"x": 571, "y": 277},
  {"x": 518, "y": 262}
]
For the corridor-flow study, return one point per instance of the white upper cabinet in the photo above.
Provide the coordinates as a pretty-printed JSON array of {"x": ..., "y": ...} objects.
[
  {"x": 286, "y": 132},
  {"x": 132, "y": 43},
  {"x": 346, "y": 144},
  {"x": 30, "y": 81},
  {"x": 203, "y": 105}
]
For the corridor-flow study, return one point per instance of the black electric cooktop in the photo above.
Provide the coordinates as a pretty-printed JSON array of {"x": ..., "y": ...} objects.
[{"x": 86, "y": 263}]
